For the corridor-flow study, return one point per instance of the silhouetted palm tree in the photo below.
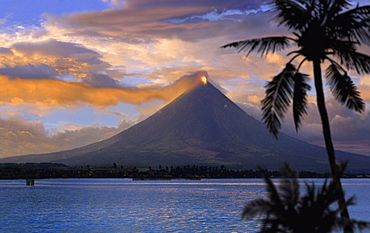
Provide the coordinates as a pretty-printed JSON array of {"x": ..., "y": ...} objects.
[
  {"x": 285, "y": 210},
  {"x": 322, "y": 30}
]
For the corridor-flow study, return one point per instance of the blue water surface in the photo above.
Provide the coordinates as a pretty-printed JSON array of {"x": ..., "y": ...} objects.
[{"x": 124, "y": 205}]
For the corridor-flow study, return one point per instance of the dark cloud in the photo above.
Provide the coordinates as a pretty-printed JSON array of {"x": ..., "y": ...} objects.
[
  {"x": 101, "y": 80},
  {"x": 58, "y": 49},
  {"x": 40, "y": 71},
  {"x": 5, "y": 51}
]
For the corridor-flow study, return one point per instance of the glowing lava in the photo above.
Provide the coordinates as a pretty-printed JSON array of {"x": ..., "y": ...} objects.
[{"x": 204, "y": 80}]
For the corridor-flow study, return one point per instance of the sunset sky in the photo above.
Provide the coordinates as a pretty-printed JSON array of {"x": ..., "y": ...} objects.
[{"x": 76, "y": 72}]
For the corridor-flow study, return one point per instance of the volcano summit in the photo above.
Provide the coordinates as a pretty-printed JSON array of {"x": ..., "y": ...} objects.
[{"x": 200, "y": 127}]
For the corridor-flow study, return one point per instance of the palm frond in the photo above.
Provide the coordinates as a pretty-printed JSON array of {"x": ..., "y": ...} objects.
[
  {"x": 343, "y": 89},
  {"x": 354, "y": 60},
  {"x": 341, "y": 4},
  {"x": 315, "y": 209},
  {"x": 287, "y": 211},
  {"x": 261, "y": 45},
  {"x": 277, "y": 99},
  {"x": 292, "y": 14},
  {"x": 255, "y": 208},
  {"x": 335, "y": 7},
  {"x": 342, "y": 46},
  {"x": 353, "y": 24},
  {"x": 328, "y": 194},
  {"x": 300, "y": 97},
  {"x": 289, "y": 186},
  {"x": 358, "y": 13},
  {"x": 360, "y": 225},
  {"x": 361, "y": 31},
  {"x": 273, "y": 194}
]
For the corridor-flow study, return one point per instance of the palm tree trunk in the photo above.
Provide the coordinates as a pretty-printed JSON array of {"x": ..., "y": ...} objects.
[{"x": 328, "y": 141}]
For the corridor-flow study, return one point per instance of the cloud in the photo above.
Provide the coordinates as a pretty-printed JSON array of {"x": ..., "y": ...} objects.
[
  {"x": 49, "y": 92},
  {"x": 364, "y": 89},
  {"x": 56, "y": 48},
  {"x": 115, "y": 2},
  {"x": 21, "y": 137},
  {"x": 40, "y": 71},
  {"x": 191, "y": 44},
  {"x": 5, "y": 51},
  {"x": 145, "y": 20},
  {"x": 348, "y": 127},
  {"x": 101, "y": 80},
  {"x": 45, "y": 59}
]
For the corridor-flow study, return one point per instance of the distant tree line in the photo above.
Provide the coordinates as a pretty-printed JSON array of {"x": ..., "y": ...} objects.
[
  {"x": 216, "y": 172},
  {"x": 45, "y": 171}
]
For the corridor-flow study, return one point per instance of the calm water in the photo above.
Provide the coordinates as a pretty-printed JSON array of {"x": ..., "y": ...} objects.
[{"x": 123, "y": 205}]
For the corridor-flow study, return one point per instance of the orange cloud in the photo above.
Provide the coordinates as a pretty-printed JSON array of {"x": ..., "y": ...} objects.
[{"x": 50, "y": 92}]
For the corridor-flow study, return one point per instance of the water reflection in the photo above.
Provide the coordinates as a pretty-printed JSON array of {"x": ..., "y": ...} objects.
[{"x": 124, "y": 205}]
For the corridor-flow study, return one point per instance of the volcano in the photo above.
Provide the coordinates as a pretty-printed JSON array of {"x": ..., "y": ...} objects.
[{"x": 200, "y": 127}]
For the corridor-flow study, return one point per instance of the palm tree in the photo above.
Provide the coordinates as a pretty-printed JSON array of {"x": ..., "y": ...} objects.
[
  {"x": 285, "y": 210},
  {"x": 322, "y": 31}
]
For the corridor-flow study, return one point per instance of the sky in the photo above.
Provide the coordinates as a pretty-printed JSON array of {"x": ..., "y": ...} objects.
[{"x": 77, "y": 72}]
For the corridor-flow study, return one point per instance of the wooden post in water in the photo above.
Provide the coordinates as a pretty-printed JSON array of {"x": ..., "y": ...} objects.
[{"x": 30, "y": 182}]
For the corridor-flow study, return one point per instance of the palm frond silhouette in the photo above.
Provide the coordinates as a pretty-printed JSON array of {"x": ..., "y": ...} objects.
[{"x": 286, "y": 210}]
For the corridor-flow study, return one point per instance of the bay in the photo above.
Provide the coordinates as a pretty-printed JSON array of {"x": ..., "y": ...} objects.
[{"x": 126, "y": 205}]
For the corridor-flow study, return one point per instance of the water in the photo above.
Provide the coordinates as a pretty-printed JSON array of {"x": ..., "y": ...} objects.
[{"x": 124, "y": 205}]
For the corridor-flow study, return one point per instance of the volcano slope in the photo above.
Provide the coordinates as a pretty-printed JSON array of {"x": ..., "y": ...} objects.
[{"x": 200, "y": 127}]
